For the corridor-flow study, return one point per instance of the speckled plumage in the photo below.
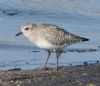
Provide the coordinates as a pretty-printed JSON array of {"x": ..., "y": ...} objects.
[
  {"x": 49, "y": 37},
  {"x": 57, "y": 36}
]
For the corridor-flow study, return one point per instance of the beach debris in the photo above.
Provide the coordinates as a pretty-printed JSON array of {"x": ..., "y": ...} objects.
[
  {"x": 10, "y": 12},
  {"x": 35, "y": 51},
  {"x": 85, "y": 63},
  {"x": 15, "y": 69},
  {"x": 97, "y": 62}
]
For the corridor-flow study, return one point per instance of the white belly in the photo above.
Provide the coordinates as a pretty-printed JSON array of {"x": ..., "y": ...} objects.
[
  {"x": 47, "y": 45},
  {"x": 44, "y": 44},
  {"x": 41, "y": 42}
]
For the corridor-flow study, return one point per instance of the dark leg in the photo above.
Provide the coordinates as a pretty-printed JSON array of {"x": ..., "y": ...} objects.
[
  {"x": 58, "y": 53},
  {"x": 49, "y": 53}
]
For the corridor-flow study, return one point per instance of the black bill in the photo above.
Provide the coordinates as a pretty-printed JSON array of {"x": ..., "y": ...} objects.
[{"x": 20, "y": 33}]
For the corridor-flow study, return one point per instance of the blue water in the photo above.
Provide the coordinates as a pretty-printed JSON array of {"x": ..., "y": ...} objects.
[{"x": 78, "y": 17}]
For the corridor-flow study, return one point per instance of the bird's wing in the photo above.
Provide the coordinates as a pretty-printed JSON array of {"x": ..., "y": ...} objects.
[{"x": 58, "y": 36}]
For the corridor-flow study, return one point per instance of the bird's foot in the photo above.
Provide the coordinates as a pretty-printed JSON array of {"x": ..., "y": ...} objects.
[
  {"x": 57, "y": 68},
  {"x": 45, "y": 68}
]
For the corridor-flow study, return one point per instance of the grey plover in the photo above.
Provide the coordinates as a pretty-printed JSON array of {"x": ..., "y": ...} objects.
[{"x": 49, "y": 37}]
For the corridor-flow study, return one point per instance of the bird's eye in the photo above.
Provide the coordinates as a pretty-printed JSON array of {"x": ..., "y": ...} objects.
[{"x": 26, "y": 28}]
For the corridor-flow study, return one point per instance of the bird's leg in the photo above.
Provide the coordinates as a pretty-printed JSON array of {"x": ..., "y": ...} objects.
[
  {"x": 49, "y": 53},
  {"x": 58, "y": 53}
]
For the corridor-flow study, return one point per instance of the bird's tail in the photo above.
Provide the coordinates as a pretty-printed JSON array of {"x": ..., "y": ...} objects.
[{"x": 84, "y": 39}]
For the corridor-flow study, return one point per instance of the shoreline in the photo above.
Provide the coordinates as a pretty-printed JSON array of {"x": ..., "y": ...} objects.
[{"x": 79, "y": 75}]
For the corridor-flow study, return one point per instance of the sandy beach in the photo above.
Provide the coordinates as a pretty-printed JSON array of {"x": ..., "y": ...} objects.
[{"x": 80, "y": 75}]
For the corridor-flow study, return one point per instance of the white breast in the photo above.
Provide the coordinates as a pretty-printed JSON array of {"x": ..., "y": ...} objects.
[
  {"x": 41, "y": 42},
  {"x": 44, "y": 44}
]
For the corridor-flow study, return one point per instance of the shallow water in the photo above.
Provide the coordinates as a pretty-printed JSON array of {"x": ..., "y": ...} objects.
[{"x": 79, "y": 17}]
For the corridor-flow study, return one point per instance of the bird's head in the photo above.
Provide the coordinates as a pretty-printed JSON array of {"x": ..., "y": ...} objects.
[{"x": 26, "y": 29}]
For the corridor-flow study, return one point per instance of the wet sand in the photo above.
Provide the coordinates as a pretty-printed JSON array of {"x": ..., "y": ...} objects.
[{"x": 80, "y": 75}]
